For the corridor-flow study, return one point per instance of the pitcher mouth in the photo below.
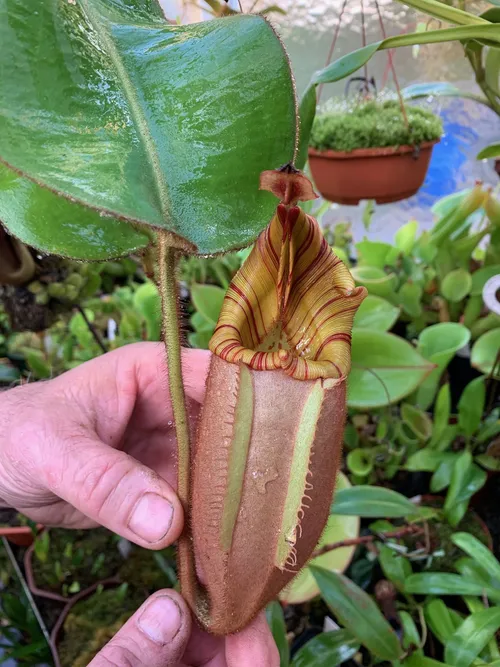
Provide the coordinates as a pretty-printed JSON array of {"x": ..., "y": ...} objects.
[{"x": 292, "y": 304}]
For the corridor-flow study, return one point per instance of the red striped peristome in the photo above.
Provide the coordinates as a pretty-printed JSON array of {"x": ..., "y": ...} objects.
[
  {"x": 291, "y": 305},
  {"x": 270, "y": 431}
]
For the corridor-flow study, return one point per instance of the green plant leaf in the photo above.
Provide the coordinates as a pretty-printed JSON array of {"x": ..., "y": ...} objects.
[
  {"x": 276, "y": 622},
  {"x": 472, "y": 636},
  {"x": 374, "y": 253},
  {"x": 463, "y": 463},
  {"x": 385, "y": 369},
  {"x": 146, "y": 121},
  {"x": 490, "y": 152},
  {"x": 411, "y": 636},
  {"x": 479, "y": 552},
  {"x": 471, "y": 406},
  {"x": 439, "y": 620},
  {"x": 442, "y": 475},
  {"x": 372, "y": 501},
  {"x": 456, "y": 285},
  {"x": 303, "y": 587},
  {"x": 207, "y": 299},
  {"x": 406, "y": 236},
  {"x": 416, "y": 660},
  {"x": 445, "y": 583},
  {"x": 439, "y": 343},
  {"x": 417, "y": 420},
  {"x": 376, "y": 314},
  {"x": 439, "y": 89},
  {"x": 445, "y": 12},
  {"x": 484, "y": 352},
  {"x": 395, "y": 567},
  {"x": 147, "y": 301},
  {"x": 358, "y": 613},
  {"x": 427, "y": 460},
  {"x": 328, "y": 649},
  {"x": 481, "y": 277},
  {"x": 410, "y": 298},
  {"x": 442, "y": 410},
  {"x": 376, "y": 281}
]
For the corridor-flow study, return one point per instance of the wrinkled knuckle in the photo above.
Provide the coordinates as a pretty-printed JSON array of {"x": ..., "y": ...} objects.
[
  {"x": 99, "y": 480},
  {"x": 117, "y": 655}
]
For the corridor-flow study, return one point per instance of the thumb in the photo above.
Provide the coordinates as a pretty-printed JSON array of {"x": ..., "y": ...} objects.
[
  {"x": 115, "y": 490},
  {"x": 155, "y": 636}
]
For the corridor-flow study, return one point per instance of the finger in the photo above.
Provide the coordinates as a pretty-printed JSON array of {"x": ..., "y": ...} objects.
[
  {"x": 252, "y": 646},
  {"x": 155, "y": 636},
  {"x": 115, "y": 490}
]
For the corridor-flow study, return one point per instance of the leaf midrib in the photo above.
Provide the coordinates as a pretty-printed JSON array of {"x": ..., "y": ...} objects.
[{"x": 136, "y": 111}]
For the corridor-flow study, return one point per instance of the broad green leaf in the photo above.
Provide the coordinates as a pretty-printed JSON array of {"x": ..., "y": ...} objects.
[
  {"x": 147, "y": 301},
  {"x": 207, "y": 299},
  {"x": 445, "y": 583},
  {"x": 492, "y": 71},
  {"x": 484, "y": 352},
  {"x": 417, "y": 420},
  {"x": 307, "y": 112},
  {"x": 439, "y": 89},
  {"x": 439, "y": 620},
  {"x": 303, "y": 587},
  {"x": 490, "y": 152},
  {"x": 481, "y": 277},
  {"x": 375, "y": 253},
  {"x": 472, "y": 636},
  {"x": 411, "y": 636},
  {"x": 376, "y": 314},
  {"x": 372, "y": 501},
  {"x": 108, "y": 105},
  {"x": 405, "y": 237},
  {"x": 395, "y": 567},
  {"x": 276, "y": 622},
  {"x": 470, "y": 569},
  {"x": 416, "y": 660},
  {"x": 471, "y": 406},
  {"x": 56, "y": 225},
  {"x": 428, "y": 460},
  {"x": 358, "y": 613},
  {"x": 442, "y": 475},
  {"x": 463, "y": 464},
  {"x": 442, "y": 409},
  {"x": 456, "y": 285},
  {"x": 479, "y": 552},
  {"x": 385, "y": 369},
  {"x": 328, "y": 649},
  {"x": 439, "y": 343},
  {"x": 37, "y": 364}
]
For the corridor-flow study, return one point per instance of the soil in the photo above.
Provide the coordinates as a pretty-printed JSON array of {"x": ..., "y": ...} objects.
[{"x": 74, "y": 556}]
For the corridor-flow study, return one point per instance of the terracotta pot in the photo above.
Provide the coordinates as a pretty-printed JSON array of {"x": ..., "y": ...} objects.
[
  {"x": 56, "y": 634},
  {"x": 21, "y": 536},
  {"x": 384, "y": 174}
]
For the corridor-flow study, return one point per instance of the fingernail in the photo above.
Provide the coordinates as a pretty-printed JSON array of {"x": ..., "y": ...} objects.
[
  {"x": 161, "y": 620},
  {"x": 151, "y": 518}
]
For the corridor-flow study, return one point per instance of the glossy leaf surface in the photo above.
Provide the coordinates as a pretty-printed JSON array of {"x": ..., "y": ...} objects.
[
  {"x": 109, "y": 105},
  {"x": 372, "y": 501},
  {"x": 277, "y": 625},
  {"x": 385, "y": 368},
  {"x": 472, "y": 636},
  {"x": 485, "y": 351},
  {"x": 376, "y": 313},
  {"x": 328, "y": 649}
]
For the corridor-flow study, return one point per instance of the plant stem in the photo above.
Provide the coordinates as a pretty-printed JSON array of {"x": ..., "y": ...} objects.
[
  {"x": 367, "y": 539},
  {"x": 92, "y": 329},
  {"x": 167, "y": 265}
]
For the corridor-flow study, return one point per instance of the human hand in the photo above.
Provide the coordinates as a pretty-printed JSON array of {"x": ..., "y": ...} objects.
[
  {"x": 161, "y": 634},
  {"x": 97, "y": 445}
]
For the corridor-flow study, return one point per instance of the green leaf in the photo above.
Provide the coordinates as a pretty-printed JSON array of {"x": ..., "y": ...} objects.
[
  {"x": 350, "y": 63},
  {"x": 406, "y": 236},
  {"x": 472, "y": 636},
  {"x": 207, "y": 299},
  {"x": 439, "y": 343},
  {"x": 374, "y": 253},
  {"x": 358, "y": 613},
  {"x": 442, "y": 475},
  {"x": 456, "y": 285},
  {"x": 55, "y": 225},
  {"x": 372, "y": 501},
  {"x": 276, "y": 622},
  {"x": 490, "y": 152},
  {"x": 459, "y": 473},
  {"x": 442, "y": 410},
  {"x": 484, "y": 352},
  {"x": 417, "y": 420},
  {"x": 416, "y": 660},
  {"x": 427, "y": 460},
  {"x": 328, "y": 649},
  {"x": 395, "y": 567},
  {"x": 147, "y": 301},
  {"x": 376, "y": 281},
  {"x": 471, "y": 406},
  {"x": 376, "y": 314},
  {"x": 303, "y": 587},
  {"x": 37, "y": 364},
  {"x": 445, "y": 12},
  {"x": 385, "y": 369},
  {"x": 439, "y": 620},
  {"x": 411, "y": 636},
  {"x": 445, "y": 583},
  {"x": 410, "y": 298},
  {"x": 479, "y": 552},
  {"x": 149, "y": 122}
]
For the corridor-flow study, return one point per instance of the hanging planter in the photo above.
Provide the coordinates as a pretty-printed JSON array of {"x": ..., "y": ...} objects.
[{"x": 372, "y": 151}]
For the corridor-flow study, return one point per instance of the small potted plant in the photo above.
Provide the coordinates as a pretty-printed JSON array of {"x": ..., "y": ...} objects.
[{"x": 371, "y": 150}]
